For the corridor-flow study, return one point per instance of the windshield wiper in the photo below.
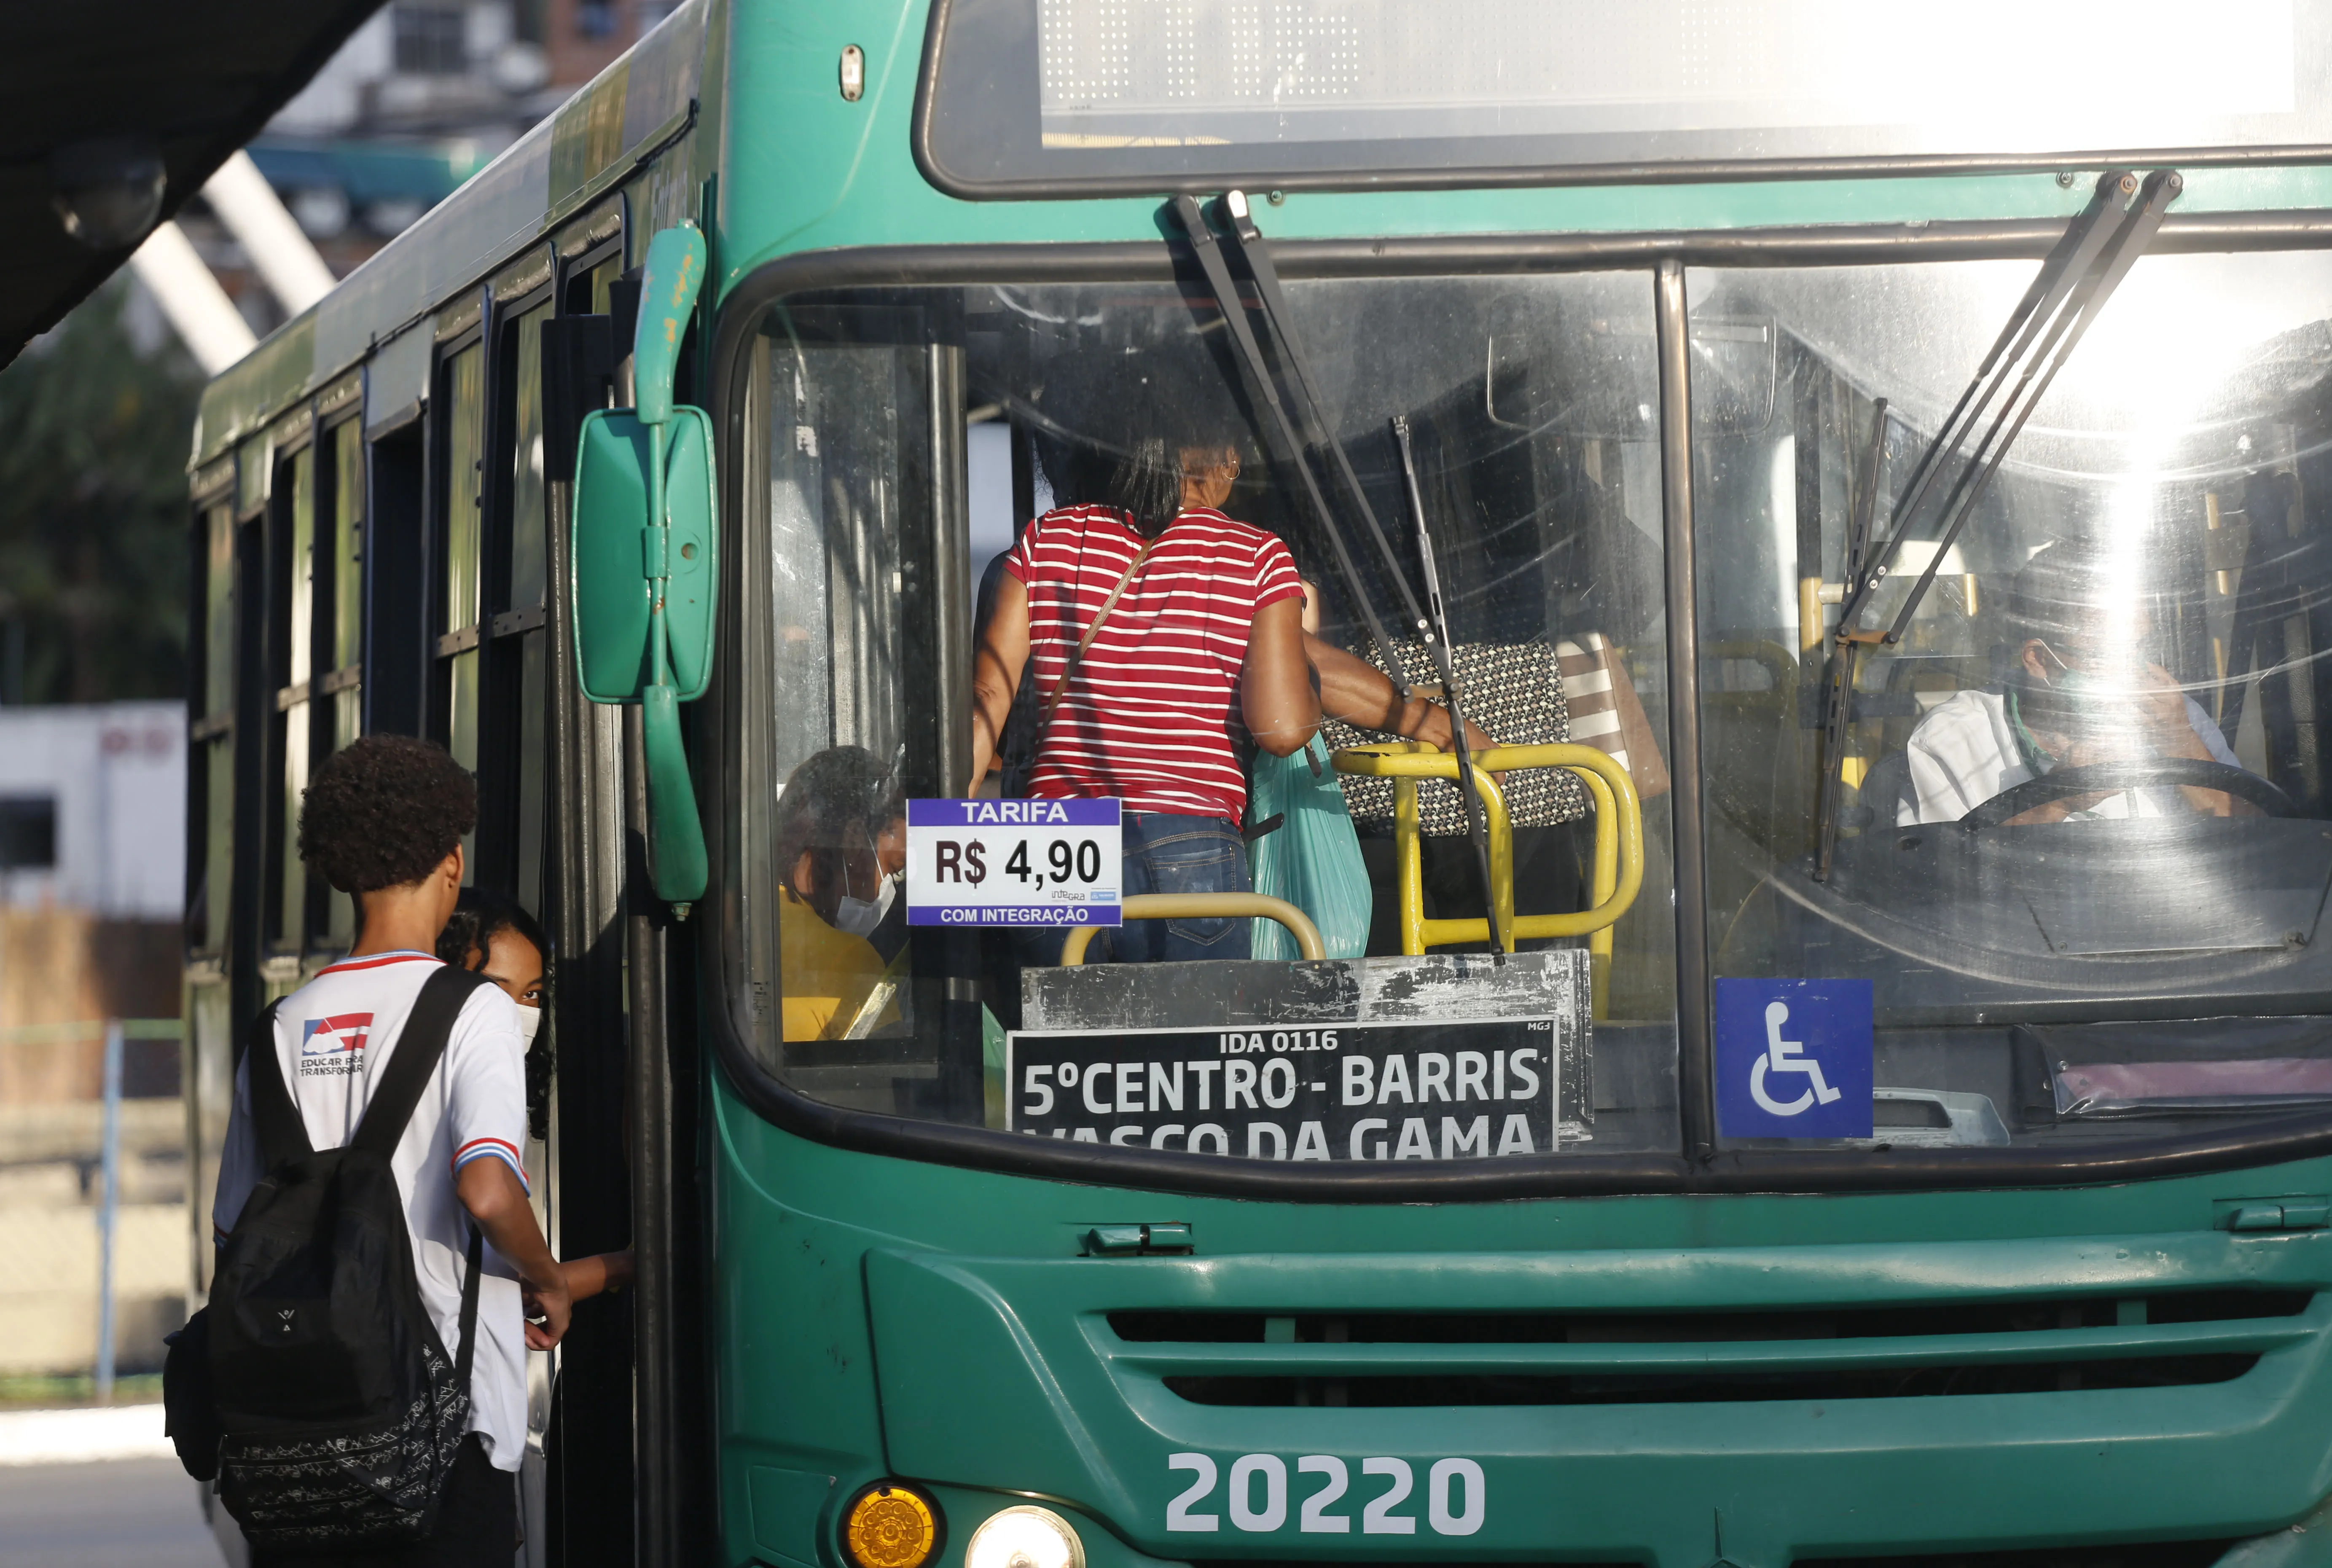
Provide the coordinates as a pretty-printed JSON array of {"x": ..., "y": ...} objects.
[
  {"x": 1839, "y": 697},
  {"x": 1299, "y": 439},
  {"x": 1234, "y": 313},
  {"x": 1256, "y": 254},
  {"x": 2099, "y": 249},
  {"x": 2076, "y": 280}
]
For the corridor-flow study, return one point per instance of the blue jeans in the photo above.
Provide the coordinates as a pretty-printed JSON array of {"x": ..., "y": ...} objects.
[{"x": 1167, "y": 852}]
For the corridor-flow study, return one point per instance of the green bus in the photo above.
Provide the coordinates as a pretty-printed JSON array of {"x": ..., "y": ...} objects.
[{"x": 1849, "y": 1077}]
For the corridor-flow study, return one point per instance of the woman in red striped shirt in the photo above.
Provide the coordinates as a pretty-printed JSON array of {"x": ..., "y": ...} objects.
[{"x": 1200, "y": 637}]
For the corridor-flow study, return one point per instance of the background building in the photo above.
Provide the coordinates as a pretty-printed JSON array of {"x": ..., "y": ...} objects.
[
  {"x": 420, "y": 98},
  {"x": 92, "y": 802},
  {"x": 93, "y": 880}
]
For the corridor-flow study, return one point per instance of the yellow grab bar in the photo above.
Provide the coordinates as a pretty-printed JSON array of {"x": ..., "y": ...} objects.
[
  {"x": 1201, "y": 906},
  {"x": 1618, "y": 867},
  {"x": 1605, "y": 884}
]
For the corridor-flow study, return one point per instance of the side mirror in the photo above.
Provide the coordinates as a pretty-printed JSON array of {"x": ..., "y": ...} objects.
[
  {"x": 647, "y": 538},
  {"x": 626, "y": 569}
]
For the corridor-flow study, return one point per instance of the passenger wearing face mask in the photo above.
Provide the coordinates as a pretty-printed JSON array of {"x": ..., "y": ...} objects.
[
  {"x": 496, "y": 937},
  {"x": 842, "y": 932}
]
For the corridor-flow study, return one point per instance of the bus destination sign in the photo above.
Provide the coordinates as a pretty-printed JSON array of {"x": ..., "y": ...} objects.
[
  {"x": 1030, "y": 862},
  {"x": 1473, "y": 1090}
]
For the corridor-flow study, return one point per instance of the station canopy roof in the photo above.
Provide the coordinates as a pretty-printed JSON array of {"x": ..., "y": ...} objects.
[{"x": 190, "y": 82}]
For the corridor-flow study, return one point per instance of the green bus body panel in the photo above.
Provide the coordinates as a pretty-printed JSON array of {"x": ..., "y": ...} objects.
[
  {"x": 787, "y": 1508},
  {"x": 612, "y": 595},
  {"x": 993, "y": 1371}
]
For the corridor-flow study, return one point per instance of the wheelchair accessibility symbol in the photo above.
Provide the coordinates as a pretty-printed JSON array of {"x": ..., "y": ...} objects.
[
  {"x": 1782, "y": 1055},
  {"x": 1794, "y": 1059}
]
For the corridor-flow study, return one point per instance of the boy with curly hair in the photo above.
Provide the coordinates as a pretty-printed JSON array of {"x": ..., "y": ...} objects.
[{"x": 384, "y": 822}]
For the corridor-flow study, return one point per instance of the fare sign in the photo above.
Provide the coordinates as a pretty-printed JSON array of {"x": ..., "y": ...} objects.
[{"x": 1032, "y": 863}]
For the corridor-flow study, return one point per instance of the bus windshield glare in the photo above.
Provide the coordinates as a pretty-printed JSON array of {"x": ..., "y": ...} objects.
[
  {"x": 2083, "y": 852},
  {"x": 2079, "y": 859}
]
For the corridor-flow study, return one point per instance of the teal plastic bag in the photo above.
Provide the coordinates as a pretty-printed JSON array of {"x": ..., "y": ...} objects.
[{"x": 1313, "y": 858}]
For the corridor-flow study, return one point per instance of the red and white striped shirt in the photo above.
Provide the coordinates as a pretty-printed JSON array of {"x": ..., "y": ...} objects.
[{"x": 1150, "y": 712}]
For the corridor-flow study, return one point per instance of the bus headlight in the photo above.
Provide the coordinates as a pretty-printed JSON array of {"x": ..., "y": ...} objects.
[
  {"x": 891, "y": 1526},
  {"x": 1024, "y": 1537}
]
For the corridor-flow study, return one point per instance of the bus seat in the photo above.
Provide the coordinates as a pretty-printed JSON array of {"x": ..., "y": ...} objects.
[{"x": 1605, "y": 713}]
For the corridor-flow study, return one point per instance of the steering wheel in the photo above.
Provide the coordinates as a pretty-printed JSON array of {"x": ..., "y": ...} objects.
[{"x": 2193, "y": 772}]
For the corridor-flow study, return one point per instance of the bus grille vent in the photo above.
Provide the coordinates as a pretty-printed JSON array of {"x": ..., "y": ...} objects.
[
  {"x": 2146, "y": 1555},
  {"x": 1201, "y": 1562},
  {"x": 1989, "y": 1346}
]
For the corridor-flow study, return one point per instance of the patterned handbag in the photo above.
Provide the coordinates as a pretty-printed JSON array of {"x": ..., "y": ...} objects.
[{"x": 1513, "y": 692}]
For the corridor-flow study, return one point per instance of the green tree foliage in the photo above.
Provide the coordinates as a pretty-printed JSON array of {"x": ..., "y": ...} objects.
[{"x": 93, "y": 514}]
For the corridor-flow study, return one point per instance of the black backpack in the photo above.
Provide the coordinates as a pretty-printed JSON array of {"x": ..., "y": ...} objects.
[{"x": 338, "y": 1409}]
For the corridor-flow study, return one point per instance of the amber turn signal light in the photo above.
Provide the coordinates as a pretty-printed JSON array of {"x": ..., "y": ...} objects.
[{"x": 890, "y": 1525}]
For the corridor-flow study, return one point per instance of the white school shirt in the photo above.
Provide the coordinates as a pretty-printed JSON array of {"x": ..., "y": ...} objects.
[
  {"x": 1964, "y": 752},
  {"x": 334, "y": 1037}
]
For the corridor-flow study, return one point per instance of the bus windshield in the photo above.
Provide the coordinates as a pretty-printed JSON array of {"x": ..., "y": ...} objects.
[
  {"x": 2083, "y": 835},
  {"x": 930, "y": 458},
  {"x": 2083, "y": 844}
]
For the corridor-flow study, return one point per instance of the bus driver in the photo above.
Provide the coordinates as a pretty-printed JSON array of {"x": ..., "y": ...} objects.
[{"x": 2083, "y": 691}]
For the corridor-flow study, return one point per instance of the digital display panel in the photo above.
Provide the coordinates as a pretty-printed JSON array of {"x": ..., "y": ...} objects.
[{"x": 1023, "y": 92}]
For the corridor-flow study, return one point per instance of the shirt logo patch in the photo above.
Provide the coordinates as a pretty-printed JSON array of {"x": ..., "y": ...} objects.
[{"x": 331, "y": 1046}]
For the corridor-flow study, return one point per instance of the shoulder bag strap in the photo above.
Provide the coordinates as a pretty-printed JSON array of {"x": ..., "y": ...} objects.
[
  {"x": 274, "y": 1116},
  {"x": 418, "y": 1048},
  {"x": 1107, "y": 604},
  {"x": 462, "y": 1357}
]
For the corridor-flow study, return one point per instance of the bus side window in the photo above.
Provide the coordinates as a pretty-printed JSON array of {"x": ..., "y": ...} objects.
[
  {"x": 397, "y": 572},
  {"x": 291, "y": 656},
  {"x": 513, "y": 619},
  {"x": 454, "y": 687},
  {"x": 317, "y": 623},
  {"x": 339, "y": 637},
  {"x": 210, "y": 854}
]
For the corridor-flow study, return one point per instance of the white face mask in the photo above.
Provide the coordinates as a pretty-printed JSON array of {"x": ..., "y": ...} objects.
[
  {"x": 529, "y": 1021},
  {"x": 860, "y": 917}
]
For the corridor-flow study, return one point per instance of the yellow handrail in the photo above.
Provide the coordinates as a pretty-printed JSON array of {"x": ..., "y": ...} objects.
[
  {"x": 1202, "y": 906},
  {"x": 1619, "y": 865}
]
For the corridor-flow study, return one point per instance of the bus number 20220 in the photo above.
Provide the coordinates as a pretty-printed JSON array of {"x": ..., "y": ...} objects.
[{"x": 1257, "y": 1498}]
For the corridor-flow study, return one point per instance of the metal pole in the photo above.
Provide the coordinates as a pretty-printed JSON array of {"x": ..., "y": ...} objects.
[
  {"x": 108, "y": 1208},
  {"x": 655, "y": 1503},
  {"x": 1694, "y": 1050}
]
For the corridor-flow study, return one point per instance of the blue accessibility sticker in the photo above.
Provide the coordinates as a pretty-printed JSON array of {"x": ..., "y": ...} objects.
[{"x": 1794, "y": 1059}]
